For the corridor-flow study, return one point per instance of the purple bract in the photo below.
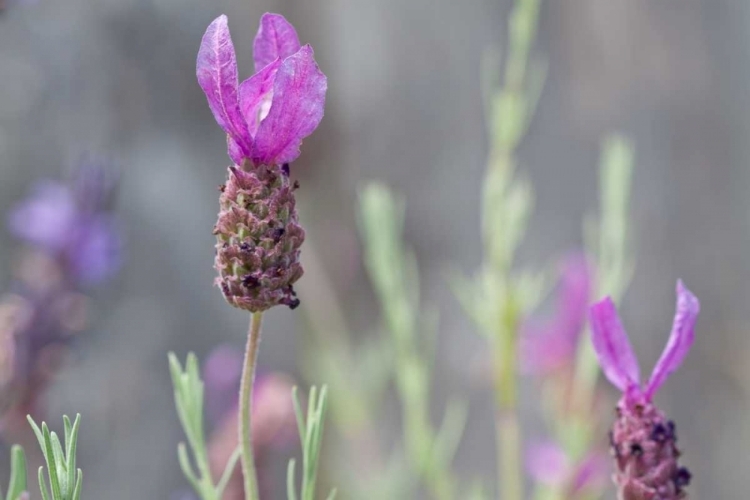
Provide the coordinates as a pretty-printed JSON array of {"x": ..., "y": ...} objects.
[{"x": 267, "y": 115}]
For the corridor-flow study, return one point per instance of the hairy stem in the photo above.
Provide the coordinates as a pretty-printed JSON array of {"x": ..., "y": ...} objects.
[{"x": 246, "y": 396}]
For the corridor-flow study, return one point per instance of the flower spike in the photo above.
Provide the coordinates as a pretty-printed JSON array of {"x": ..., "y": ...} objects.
[
  {"x": 643, "y": 441},
  {"x": 266, "y": 117}
]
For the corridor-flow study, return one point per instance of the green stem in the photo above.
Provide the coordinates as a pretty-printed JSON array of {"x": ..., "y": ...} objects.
[
  {"x": 509, "y": 450},
  {"x": 508, "y": 433},
  {"x": 246, "y": 396}
]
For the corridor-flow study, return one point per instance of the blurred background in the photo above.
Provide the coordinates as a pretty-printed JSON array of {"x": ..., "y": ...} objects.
[{"x": 116, "y": 79}]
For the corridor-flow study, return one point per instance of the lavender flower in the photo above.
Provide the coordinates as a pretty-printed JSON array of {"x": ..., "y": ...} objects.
[
  {"x": 73, "y": 225},
  {"x": 265, "y": 118},
  {"x": 643, "y": 441},
  {"x": 551, "y": 344},
  {"x": 74, "y": 241}
]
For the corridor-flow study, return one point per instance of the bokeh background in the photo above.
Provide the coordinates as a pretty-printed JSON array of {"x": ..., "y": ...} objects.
[{"x": 115, "y": 79}]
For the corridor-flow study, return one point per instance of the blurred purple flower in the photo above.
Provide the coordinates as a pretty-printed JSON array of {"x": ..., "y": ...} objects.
[
  {"x": 266, "y": 116},
  {"x": 73, "y": 224},
  {"x": 221, "y": 374},
  {"x": 73, "y": 241},
  {"x": 643, "y": 442},
  {"x": 548, "y": 464},
  {"x": 550, "y": 344}
]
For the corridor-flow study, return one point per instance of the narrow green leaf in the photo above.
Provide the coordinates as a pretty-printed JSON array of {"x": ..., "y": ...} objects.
[
  {"x": 51, "y": 464},
  {"x": 39, "y": 436},
  {"x": 291, "y": 492},
  {"x": 332, "y": 495},
  {"x": 60, "y": 467},
  {"x": 231, "y": 464},
  {"x": 68, "y": 429},
  {"x": 79, "y": 486},
  {"x": 298, "y": 413},
  {"x": 187, "y": 468},
  {"x": 71, "y": 446},
  {"x": 42, "y": 485},
  {"x": 18, "y": 477},
  {"x": 175, "y": 370},
  {"x": 451, "y": 430}
]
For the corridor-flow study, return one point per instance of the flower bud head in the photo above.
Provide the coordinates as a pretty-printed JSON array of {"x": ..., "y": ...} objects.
[
  {"x": 258, "y": 239},
  {"x": 644, "y": 446}
]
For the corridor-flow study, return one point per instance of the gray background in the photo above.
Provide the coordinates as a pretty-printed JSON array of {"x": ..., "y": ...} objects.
[{"x": 116, "y": 78}]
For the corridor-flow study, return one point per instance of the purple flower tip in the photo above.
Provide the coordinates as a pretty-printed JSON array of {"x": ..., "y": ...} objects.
[
  {"x": 615, "y": 353},
  {"x": 266, "y": 116},
  {"x": 643, "y": 442}
]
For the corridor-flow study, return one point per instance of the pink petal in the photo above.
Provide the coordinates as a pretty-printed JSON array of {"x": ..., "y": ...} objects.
[
  {"x": 255, "y": 95},
  {"x": 296, "y": 110},
  {"x": 680, "y": 340},
  {"x": 552, "y": 344},
  {"x": 575, "y": 294},
  {"x": 612, "y": 346},
  {"x": 217, "y": 76},
  {"x": 544, "y": 348},
  {"x": 235, "y": 151},
  {"x": 276, "y": 39},
  {"x": 547, "y": 463}
]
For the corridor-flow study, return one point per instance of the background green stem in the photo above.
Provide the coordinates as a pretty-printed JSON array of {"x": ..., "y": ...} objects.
[
  {"x": 246, "y": 396},
  {"x": 508, "y": 429}
]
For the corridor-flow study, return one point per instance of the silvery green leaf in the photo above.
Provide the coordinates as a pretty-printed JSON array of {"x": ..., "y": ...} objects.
[{"x": 18, "y": 476}]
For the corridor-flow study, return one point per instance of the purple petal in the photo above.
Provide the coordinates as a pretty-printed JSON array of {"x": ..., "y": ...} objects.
[
  {"x": 276, "y": 39},
  {"x": 297, "y": 108},
  {"x": 217, "y": 76},
  {"x": 47, "y": 217},
  {"x": 680, "y": 340},
  {"x": 612, "y": 346},
  {"x": 544, "y": 348},
  {"x": 96, "y": 250},
  {"x": 575, "y": 294},
  {"x": 552, "y": 344},
  {"x": 235, "y": 151},
  {"x": 255, "y": 96}
]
